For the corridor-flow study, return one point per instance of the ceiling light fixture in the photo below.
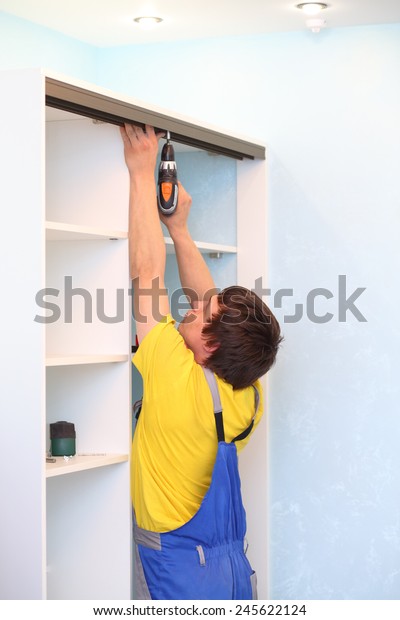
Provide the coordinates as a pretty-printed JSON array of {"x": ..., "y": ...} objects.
[
  {"x": 315, "y": 24},
  {"x": 147, "y": 21},
  {"x": 312, "y": 8}
]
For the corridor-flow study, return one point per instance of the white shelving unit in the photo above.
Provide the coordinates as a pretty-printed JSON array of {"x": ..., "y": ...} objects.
[{"x": 66, "y": 526}]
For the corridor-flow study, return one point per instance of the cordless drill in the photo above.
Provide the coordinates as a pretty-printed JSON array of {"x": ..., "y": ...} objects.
[{"x": 167, "y": 180}]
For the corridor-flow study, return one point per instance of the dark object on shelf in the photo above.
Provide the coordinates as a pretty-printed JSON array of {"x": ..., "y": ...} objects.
[{"x": 63, "y": 439}]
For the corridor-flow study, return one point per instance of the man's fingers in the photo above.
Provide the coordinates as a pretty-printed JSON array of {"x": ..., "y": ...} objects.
[
  {"x": 123, "y": 133},
  {"x": 138, "y": 137},
  {"x": 138, "y": 133},
  {"x": 149, "y": 130},
  {"x": 133, "y": 131}
]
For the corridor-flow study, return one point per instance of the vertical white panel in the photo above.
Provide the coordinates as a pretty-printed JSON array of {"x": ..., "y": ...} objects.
[
  {"x": 22, "y": 454},
  {"x": 88, "y": 515},
  {"x": 252, "y": 264},
  {"x": 87, "y": 180},
  {"x": 91, "y": 281}
]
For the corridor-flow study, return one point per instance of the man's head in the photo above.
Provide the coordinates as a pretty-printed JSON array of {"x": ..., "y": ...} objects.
[
  {"x": 235, "y": 335},
  {"x": 244, "y": 337}
]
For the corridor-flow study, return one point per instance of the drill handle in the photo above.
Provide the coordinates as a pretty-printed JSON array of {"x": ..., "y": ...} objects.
[{"x": 167, "y": 181}]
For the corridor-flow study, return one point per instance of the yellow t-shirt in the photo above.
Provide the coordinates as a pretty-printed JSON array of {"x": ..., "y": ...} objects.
[{"x": 175, "y": 441}]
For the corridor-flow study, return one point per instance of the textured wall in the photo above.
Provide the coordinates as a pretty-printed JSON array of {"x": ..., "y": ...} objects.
[{"x": 328, "y": 108}]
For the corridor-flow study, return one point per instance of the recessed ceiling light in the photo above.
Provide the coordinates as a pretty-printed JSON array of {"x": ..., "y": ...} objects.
[
  {"x": 147, "y": 22},
  {"x": 315, "y": 24},
  {"x": 312, "y": 8}
]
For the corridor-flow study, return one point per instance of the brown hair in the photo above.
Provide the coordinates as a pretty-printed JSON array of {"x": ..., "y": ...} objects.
[{"x": 246, "y": 334}]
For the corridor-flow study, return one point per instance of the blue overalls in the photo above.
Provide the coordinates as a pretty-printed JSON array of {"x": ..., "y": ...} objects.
[{"x": 204, "y": 559}]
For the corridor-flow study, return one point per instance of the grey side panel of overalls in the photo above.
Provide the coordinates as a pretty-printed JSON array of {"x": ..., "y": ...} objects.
[{"x": 152, "y": 541}]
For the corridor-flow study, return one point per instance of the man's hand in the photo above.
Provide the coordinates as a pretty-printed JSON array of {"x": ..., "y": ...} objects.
[
  {"x": 140, "y": 149},
  {"x": 177, "y": 222}
]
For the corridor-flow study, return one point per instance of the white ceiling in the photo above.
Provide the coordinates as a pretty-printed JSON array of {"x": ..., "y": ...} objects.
[{"x": 109, "y": 22}]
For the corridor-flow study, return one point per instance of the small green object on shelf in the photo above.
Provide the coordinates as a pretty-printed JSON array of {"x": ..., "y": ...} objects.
[{"x": 63, "y": 439}]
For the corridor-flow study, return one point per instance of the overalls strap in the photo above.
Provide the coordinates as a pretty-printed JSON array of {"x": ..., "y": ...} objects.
[{"x": 219, "y": 421}]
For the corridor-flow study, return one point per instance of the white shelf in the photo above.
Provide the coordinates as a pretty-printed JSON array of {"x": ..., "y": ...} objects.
[
  {"x": 74, "y": 360},
  {"x": 204, "y": 247},
  {"x": 82, "y": 463},
  {"x": 59, "y": 231}
]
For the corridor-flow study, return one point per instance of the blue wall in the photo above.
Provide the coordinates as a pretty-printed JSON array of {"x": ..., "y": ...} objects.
[
  {"x": 24, "y": 44},
  {"x": 328, "y": 107}
]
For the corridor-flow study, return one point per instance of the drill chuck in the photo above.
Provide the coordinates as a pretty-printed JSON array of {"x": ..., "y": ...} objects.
[{"x": 167, "y": 180}]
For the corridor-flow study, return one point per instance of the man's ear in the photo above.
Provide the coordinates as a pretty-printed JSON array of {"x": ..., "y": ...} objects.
[{"x": 210, "y": 348}]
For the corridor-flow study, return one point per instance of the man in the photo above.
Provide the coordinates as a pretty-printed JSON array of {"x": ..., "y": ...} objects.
[{"x": 189, "y": 518}]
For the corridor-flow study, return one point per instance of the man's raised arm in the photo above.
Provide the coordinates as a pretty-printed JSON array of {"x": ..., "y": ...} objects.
[
  {"x": 196, "y": 280},
  {"x": 146, "y": 243}
]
